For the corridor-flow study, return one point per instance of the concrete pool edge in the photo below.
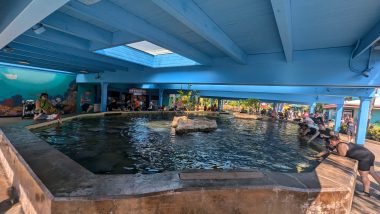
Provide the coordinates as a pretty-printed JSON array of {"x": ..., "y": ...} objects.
[{"x": 331, "y": 184}]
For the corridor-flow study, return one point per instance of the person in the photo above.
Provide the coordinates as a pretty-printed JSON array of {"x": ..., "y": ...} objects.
[
  {"x": 85, "y": 101},
  {"x": 357, "y": 152},
  {"x": 323, "y": 133},
  {"x": 137, "y": 106},
  {"x": 151, "y": 106},
  {"x": 45, "y": 110},
  {"x": 312, "y": 128},
  {"x": 112, "y": 105},
  {"x": 318, "y": 119},
  {"x": 350, "y": 129}
]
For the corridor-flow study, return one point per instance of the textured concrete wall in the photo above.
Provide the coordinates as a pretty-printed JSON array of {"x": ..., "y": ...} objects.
[{"x": 33, "y": 195}]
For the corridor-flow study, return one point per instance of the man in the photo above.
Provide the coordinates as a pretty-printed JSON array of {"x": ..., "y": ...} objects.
[
  {"x": 85, "y": 101},
  {"x": 312, "y": 128},
  {"x": 357, "y": 152},
  {"x": 323, "y": 133}
]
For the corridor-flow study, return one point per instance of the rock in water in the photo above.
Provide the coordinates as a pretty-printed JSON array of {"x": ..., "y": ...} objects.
[
  {"x": 176, "y": 119},
  {"x": 185, "y": 125},
  {"x": 247, "y": 116}
]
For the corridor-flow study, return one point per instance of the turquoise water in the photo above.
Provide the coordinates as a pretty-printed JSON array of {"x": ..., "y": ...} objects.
[{"x": 147, "y": 144}]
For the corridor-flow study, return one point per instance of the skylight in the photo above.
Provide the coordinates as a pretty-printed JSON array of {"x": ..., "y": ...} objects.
[
  {"x": 149, "y": 48},
  {"x": 148, "y": 54}
]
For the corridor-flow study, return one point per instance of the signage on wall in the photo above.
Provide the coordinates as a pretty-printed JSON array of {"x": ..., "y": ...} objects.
[{"x": 137, "y": 91}]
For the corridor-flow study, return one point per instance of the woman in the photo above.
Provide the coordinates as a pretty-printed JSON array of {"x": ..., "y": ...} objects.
[
  {"x": 350, "y": 129},
  {"x": 365, "y": 157}
]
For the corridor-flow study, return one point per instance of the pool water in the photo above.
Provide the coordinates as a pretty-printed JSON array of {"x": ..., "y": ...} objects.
[{"x": 147, "y": 144}]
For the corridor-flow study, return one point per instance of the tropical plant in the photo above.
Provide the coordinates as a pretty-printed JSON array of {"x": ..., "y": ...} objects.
[
  {"x": 250, "y": 103},
  {"x": 188, "y": 99},
  {"x": 318, "y": 107}
]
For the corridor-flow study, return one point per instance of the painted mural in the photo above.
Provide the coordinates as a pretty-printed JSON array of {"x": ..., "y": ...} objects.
[{"x": 18, "y": 84}]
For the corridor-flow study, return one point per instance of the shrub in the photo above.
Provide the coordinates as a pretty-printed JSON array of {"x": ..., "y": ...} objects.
[
  {"x": 374, "y": 132},
  {"x": 343, "y": 129}
]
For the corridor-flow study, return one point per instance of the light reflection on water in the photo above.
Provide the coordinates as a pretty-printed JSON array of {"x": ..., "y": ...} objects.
[{"x": 147, "y": 144}]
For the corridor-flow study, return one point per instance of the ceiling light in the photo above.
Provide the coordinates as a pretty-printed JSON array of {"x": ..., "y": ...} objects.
[
  {"x": 84, "y": 71},
  {"x": 366, "y": 73},
  {"x": 23, "y": 62},
  {"x": 89, "y": 2},
  {"x": 38, "y": 28}
]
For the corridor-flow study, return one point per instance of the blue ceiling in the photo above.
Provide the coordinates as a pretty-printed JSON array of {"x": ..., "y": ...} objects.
[{"x": 249, "y": 24}]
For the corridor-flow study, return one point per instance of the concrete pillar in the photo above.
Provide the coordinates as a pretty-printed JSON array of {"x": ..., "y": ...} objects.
[
  {"x": 338, "y": 117},
  {"x": 312, "y": 108},
  {"x": 160, "y": 97},
  {"x": 219, "y": 104},
  {"x": 365, "y": 103},
  {"x": 104, "y": 96}
]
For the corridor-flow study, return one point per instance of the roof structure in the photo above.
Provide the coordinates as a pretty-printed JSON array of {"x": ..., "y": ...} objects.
[{"x": 70, "y": 35}]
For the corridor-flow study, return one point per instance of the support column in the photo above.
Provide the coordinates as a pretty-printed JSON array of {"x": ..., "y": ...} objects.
[
  {"x": 312, "y": 108},
  {"x": 361, "y": 131},
  {"x": 219, "y": 104},
  {"x": 160, "y": 97},
  {"x": 104, "y": 96},
  {"x": 338, "y": 117}
]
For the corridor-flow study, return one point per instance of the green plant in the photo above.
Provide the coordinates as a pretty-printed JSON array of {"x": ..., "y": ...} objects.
[
  {"x": 188, "y": 98},
  {"x": 373, "y": 132},
  {"x": 318, "y": 107},
  {"x": 250, "y": 103},
  {"x": 343, "y": 129}
]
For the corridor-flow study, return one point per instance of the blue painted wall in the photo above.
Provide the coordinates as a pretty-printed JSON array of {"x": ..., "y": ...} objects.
[
  {"x": 375, "y": 116},
  {"x": 17, "y": 84}
]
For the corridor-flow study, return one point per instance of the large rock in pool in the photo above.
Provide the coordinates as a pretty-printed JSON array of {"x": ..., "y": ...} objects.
[
  {"x": 176, "y": 119},
  {"x": 185, "y": 125},
  {"x": 247, "y": 116}
]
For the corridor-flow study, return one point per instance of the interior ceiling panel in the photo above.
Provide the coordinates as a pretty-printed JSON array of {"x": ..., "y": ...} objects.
[
  {"x": 249, "y": 23},
  {"x": 88, "y": 19},
  {"x": 154, "y": 15},
  {"x": 326, "y": 23}
]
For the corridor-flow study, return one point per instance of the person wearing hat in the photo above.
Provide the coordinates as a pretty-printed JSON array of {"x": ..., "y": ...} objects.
[{"x": 357, "y": 152}]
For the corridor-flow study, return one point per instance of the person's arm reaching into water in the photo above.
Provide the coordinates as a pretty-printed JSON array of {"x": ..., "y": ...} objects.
[{"x": 313, "y": 137}]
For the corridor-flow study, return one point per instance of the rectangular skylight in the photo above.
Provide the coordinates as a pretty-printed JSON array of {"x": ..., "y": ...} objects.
[
  {"x": 148, "y": 54},
  {"x": 149, "y": 48}
]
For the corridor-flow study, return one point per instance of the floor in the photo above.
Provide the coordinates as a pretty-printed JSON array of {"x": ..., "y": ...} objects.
[{"x": 361, "y": 204}]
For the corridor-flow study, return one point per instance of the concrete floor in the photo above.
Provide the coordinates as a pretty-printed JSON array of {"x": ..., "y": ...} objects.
[
  {"x": 361, "y": 204},
  {"x": 9, "y": 120}
]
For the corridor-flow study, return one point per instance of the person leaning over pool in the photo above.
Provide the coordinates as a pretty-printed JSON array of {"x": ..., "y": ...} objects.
[
  {"x": 357, "y": 152},
  {"x": 45, "y": 110}
]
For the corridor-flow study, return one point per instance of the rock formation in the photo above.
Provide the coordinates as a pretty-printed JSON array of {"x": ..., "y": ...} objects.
[{"x": 185, "y": 125}]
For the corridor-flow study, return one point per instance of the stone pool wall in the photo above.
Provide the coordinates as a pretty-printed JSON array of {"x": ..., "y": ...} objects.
[{"x": 50, "y": 182}]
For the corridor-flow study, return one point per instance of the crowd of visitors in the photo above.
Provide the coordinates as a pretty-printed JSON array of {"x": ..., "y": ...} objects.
[{"x": 313, "y": 126}]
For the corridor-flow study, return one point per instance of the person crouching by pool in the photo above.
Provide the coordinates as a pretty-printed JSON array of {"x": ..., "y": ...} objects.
[
  {"x": 357, "y": 152},
  {"x": 323, "y": 133},
  {"x": 85, "y": 101},
  {"x": 45, "y": 110},
  {"x": 311, "y": 128}
]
